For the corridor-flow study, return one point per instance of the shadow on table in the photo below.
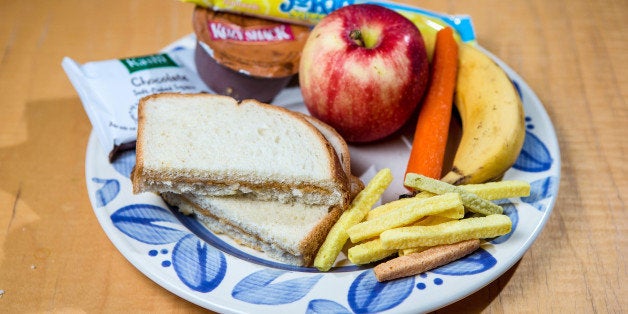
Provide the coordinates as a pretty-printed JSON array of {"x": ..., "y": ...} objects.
[{"x": 54, "y": 255}]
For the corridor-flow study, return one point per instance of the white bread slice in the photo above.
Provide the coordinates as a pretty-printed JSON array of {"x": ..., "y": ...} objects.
[
  {"x": 291, "y": 233},
  {"x": 207, "y": 144}
]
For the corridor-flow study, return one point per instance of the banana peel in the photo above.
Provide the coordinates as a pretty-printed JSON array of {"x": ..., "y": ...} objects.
[{"x": 493, "y": 121}]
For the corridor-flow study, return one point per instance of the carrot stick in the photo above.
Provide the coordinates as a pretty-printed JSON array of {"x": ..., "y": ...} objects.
[{"x": 430, "y": 136}]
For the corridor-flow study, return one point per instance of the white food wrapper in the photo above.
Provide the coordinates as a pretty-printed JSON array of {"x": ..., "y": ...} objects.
[{"x": 110, "y": 90}]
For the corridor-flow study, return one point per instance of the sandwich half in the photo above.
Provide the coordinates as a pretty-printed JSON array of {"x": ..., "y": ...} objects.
[
  {"x": 288, "y": 232},
  {"x": 211, "y": 145},
  {"x": 271, "y": 179}
]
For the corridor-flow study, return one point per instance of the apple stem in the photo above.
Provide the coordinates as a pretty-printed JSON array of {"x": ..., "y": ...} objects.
[{"x": 356, "y": 36}]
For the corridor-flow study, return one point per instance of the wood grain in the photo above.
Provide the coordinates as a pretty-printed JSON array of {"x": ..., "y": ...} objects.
[{"x": 54, "y": 256}]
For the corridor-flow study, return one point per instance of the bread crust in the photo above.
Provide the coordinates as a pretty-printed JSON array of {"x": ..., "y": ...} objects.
[
  {"x": 339, "y": 178},
  {"x": 313, "y": 240},
  {"x": 355, "y": 184},
  {"x": 345, "y": 156}
]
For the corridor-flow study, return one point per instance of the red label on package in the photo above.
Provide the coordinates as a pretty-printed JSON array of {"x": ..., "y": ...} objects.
[{"x": 270, "y": 33}]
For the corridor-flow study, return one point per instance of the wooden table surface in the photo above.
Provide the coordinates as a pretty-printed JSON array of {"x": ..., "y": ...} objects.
[{"x": 55, "y": 257}]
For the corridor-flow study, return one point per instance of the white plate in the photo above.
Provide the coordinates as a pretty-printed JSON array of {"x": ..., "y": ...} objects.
[{"x": 179, "y": 254}]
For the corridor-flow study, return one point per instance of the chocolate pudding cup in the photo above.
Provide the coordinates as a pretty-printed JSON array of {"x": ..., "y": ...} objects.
[{"x": 246, "y": 57}]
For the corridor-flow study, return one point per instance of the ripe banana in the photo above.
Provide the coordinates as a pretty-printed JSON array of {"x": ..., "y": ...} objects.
[{"x": 493, "y": 125}]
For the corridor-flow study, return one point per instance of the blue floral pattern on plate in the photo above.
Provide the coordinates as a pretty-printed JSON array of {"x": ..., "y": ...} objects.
[
  {"x": 259, "y": 288},
  {"x": 180, "y": 254},
  {"x": 367, "y": 295},
  {"x": 199, "y": 266}
]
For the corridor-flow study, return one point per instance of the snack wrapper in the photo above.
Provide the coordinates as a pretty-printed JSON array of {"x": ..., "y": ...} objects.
[{"x": 110, "y": 90}]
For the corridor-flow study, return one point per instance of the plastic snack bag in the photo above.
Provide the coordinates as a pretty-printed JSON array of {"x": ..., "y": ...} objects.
[{"x": 110, "y": 90}]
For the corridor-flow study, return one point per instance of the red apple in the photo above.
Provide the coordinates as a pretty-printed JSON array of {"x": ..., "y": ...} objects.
[{"x": 363, "y": 70}]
